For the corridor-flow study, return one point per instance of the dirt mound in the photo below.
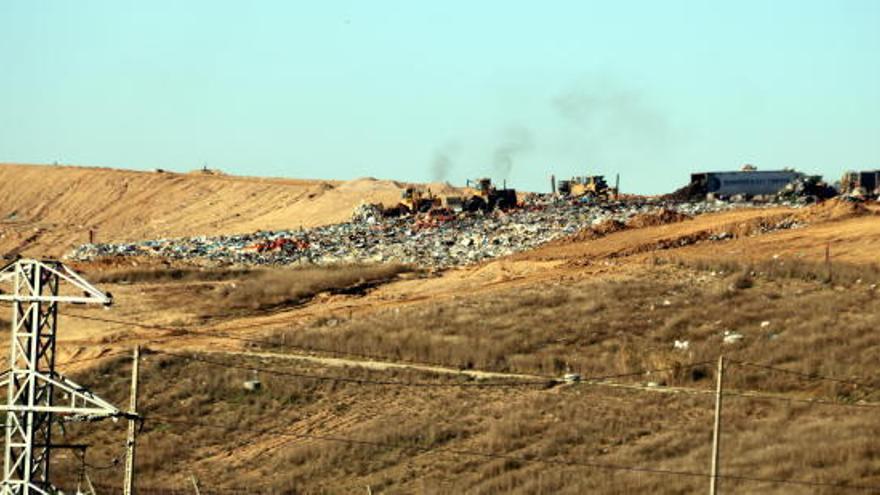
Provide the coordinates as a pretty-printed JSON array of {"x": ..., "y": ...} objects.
[
  {"x": 592, "y": 233},
  {"x": 609, "y": 227},
  {"x": 443, "y": 189},
  {"x": 662, "y": 217},
  {"x": 833, "y": 209},
  {"x": 47, "y": 210},
  {"x": 207, "y": 171},
  {"x": 367, "y": 184}
]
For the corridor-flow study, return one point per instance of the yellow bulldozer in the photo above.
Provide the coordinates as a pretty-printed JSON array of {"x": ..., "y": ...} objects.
[
  {"x": 418, "y": 200},
  {"x": 489, "y": 197},
  {"x": 592, "y": 186}
]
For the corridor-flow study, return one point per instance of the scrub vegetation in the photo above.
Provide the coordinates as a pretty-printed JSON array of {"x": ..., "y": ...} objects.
[{"x": 288, "y": 436}]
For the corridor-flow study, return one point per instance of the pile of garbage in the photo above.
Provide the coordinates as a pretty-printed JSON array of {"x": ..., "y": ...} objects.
[
  {"x": 434, "y": 239},
  {"x": 806, "y": 189}
]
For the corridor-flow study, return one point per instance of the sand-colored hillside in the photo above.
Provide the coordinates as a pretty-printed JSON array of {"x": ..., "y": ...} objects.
[{"x": 46, "y": 210}]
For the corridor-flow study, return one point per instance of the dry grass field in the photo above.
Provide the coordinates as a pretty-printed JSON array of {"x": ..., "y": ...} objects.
[
  {"x": 432, "y": 433},
  {"x": 436, "y": 433}
]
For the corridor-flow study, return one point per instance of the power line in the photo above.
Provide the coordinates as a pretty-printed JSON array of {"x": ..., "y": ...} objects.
[
  {"x": 94, "y": 358},
  {"x": 551, "y": 380},
  {"x": 818, "y": 402},
  {"x": 270, "y": 343},
  {"x": 812, "y": 376},
  {"x": 145, "y": 490},
  {"x": 596, "y": 380},
  {"x": 113, "y": 464},
  {"x": 267, "y": 343},
  {"x": 361, "y": 381},
  {"x": 83, "y": 360},
  {"x": 529, "y": 460}
]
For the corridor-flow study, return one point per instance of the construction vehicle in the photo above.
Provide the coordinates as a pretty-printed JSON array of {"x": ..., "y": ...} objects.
[
  {"x": 591, "y": 186},
  {"x": 419, "y": 201},
  {"x": 861, "y": 184},
  {"x": 453, "y": 203},
  {"x": 489, "y": 197}
]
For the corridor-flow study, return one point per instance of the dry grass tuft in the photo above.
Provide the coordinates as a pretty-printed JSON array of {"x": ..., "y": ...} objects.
[
  {"x": 282, "y": 287},
  {"x": 163, "y": 274},
  {"x": 742, "y": 280},
  {"x": 788, "y": 268}
]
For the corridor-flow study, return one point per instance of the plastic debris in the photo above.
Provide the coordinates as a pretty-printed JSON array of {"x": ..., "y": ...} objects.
[
  {"x": 731, "y": 337},
  {"x": 571, "y": 378}
]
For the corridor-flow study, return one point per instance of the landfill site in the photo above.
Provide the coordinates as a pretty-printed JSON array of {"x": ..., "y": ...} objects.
[
  {"x": 468, "y": 226},
  {"x": 214, "y": 333}
]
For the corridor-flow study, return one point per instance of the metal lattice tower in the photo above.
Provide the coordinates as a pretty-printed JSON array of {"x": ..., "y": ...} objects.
[{"x": 32, "y": 383}]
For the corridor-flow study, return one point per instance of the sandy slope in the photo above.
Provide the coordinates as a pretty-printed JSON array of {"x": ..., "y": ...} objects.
[{"x": 45, "y": 210}]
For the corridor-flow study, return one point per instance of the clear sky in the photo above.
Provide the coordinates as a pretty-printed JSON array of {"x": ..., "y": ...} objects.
[{"x": 410, "y": 90}]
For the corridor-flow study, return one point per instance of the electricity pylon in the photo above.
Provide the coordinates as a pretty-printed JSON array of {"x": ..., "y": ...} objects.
[{"x": 37, "y": 287}]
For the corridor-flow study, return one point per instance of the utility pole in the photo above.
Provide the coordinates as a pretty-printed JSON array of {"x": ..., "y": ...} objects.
[
  {"x": 37, "y": 288},
  {"x": 132, "y": 426},
  {"x": 716, "y": 431}
]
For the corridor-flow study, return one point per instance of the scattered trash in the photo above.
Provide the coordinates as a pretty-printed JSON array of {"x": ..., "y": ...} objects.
[
  {"x": 682, "y": 345},
  {"x": 807, "y": 189},
  {"x": 731, "y": 337},
  {"x": 571, "y": 378}
]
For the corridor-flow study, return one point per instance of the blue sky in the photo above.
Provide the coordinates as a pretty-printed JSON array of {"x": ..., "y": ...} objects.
[{"x": 444, "y": 90}]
